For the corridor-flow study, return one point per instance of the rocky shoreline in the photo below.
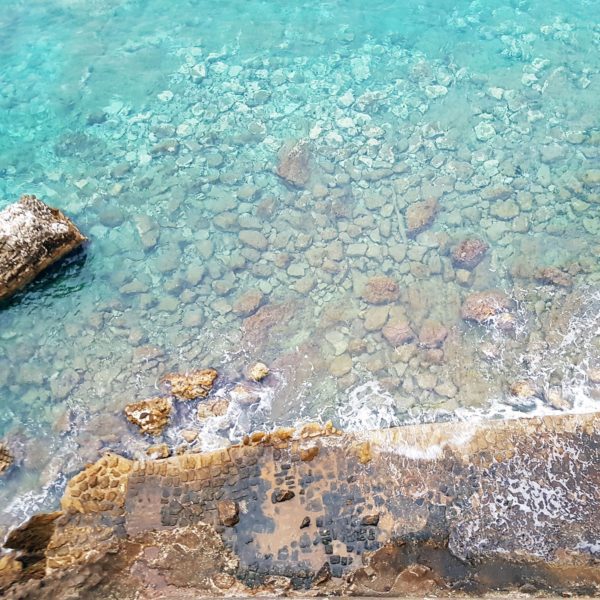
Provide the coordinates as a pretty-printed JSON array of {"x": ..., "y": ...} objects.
[{"x": 440, "y": 508}]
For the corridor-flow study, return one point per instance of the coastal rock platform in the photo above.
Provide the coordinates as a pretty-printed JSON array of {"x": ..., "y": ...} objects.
[{"x": 443, "y": 509}]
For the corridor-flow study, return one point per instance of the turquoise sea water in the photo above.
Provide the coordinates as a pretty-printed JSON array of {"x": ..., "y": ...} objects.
[{"x": 157, "y": 126}]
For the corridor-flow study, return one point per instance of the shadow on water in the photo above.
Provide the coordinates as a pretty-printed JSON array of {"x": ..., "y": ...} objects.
[{"x": 59, "y": 280}]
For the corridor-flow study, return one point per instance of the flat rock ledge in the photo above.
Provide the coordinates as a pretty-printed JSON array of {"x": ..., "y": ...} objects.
[
  {"x": 33, "y": 236},
  {"x": 436, "y": 509}
]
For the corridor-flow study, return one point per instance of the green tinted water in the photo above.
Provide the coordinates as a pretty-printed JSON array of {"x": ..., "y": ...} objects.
[{"x": 157, "y": 125}]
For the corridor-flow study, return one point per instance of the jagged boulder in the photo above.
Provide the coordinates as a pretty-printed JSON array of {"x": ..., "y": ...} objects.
[
  {"x": 191, "y": 385},
  {"x": 6, "y": 459},
  {"x": 33, "y": 236}
]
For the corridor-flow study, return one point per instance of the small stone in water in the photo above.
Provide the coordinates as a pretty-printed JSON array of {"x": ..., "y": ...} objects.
[
  {"x": 151, "y": 416},
  {"x": 158, "y": 451},
  {"x": 594, "y": 375},
  {"x": 469, "y": 253},
  {"x": 484, "y": 131},
  {"x": 432, "y": 334},
  {"x": 258, "y": 371},
  {"x": 248, "y": 303},
  {"x": 380, "y": 290},
  {"x": 192, "y": 385},
  {"x": 341, "y": 365},
  {"x": 189, "y": 435},
  {"x": 217, "y": 408}
]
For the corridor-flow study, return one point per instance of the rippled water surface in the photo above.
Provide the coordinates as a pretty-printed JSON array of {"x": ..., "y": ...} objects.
[{"x": 163, "y": 128}]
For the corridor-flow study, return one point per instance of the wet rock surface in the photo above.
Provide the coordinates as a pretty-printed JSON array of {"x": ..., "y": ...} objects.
[
  {"x": 6, "y": 458},
  {"x": 469, "y": 253},
  {"x": 190, "y": 385},
  {"x": 151, "y": 416},
  {"x": 482, "y": 307},
  {"x": 469, "y": 507},
  {"x": 33, "y": 236}
]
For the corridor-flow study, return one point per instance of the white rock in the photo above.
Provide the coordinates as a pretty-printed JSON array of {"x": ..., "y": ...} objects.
[
  {"x": 436, "y": 91},
  {"x": 346, "y": 99},
  {"x": 198, "y": 72},
  {"x": 315, "y": 132},
  {"x": 165, "y": 96},
  {"x": 484, "y": 131},
  {"x": 345, "y": 123},
  {"x": 496, "y": 92},
  {"x": 528, "y": 79},
  {"x": 334, "y": 139}
]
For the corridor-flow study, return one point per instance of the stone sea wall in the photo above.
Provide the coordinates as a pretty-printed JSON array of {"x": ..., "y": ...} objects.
[{"x": 438, "y": 508}]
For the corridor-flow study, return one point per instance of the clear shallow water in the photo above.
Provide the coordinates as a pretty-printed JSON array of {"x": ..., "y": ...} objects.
[{"x": 157, "y": 127}]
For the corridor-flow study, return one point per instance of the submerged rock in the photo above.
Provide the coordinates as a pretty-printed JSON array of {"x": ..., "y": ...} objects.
[
  {"x": 469, "y": 253},
  {"x": 6, "y": 459},
  {"x": 191, "y": 385},
  {"x": 294, "y": 163},
  {"x": 151, "y": 416},
  {"x": 420, "y": 215},
  {"x": 398, "y": 331},
  {"x": 482, "y": 307},
  {"x": 380, "y": 290},
  {"x": 248, "y": 303},
  {"x": 554, "y": 276},
  {"x": 258, "y": 371},
  {"x": 32, "y": 237},
  {"x": 216, "y": 408},
  {"x": 244, "y": 395},
  {"x": 432, "y": 334}
]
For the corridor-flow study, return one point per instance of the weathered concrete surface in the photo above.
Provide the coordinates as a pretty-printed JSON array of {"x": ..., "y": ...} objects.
[
  {"x": 32, "y": 237},
  {"x": 429, "y": 509}
]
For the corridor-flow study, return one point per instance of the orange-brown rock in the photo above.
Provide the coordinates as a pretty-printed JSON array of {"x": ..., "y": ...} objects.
[
  {"x": 484, "y": 306},
  {"x": 469, "y": 253},
  {"x": 420, "y": 215},
  {"x": 10, "y": 571},
  {"x": 554, "y": 276},
  {"x": 258, "y": 371},
  {"x": 307, "y": 454},
  {"x": 191, "y": 385},
  {"x": 33, "y": 236},
  {"x": 248, "y": 303},
  {"x": 151, "y": 415},
  {"x": 523, "y": 389},
  {"x": 6, "y": 459},
  {"x": 158, "y": 451},
  {"x": 432, "y": 334},
  {"x": 268, "y": 320},
  {"x": 294, "y": 163},
  {"x": 380, "y": 290},
  {"x": 398, "y": 331},
  {"x": 229, "y": 512}
]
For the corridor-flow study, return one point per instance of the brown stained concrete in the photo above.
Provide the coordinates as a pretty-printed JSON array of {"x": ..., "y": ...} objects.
[{"x": 435, "y": 510}]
